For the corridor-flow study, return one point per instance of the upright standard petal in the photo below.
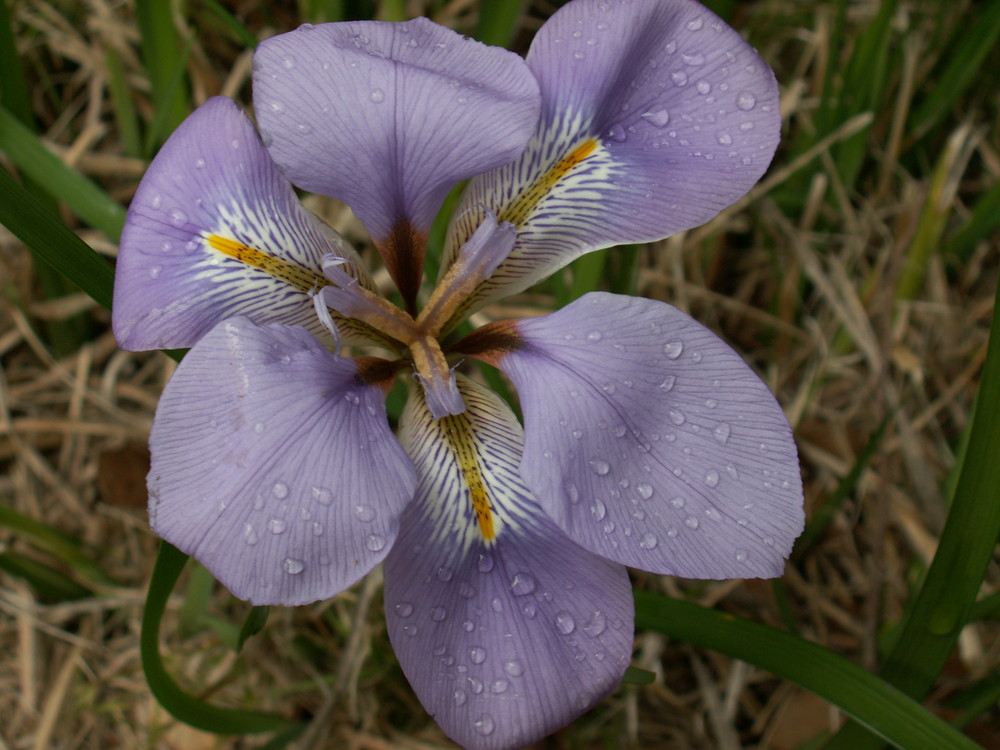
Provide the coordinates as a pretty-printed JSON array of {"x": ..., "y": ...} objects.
[
  {"x": 274, "y": 465},
  {"x": 388, "y": 117},
  {"x": 214, "y": 231},
  {"x": 655, "y": 116},
  {"x": 651, "y": 442},
  {"x": 505, "y": 628}
]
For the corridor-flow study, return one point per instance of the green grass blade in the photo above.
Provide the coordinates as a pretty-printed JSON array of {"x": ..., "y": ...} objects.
[
  {"x": 53, "y": 242},
  {"x": 121, "y": 98},
  {"x": 63, "y": 183},
  {"x": 240, "y": 33},
  {"x": 186, "y": 707},
  {"x": 868, "y": 699},
  {"x": 980, "y": 224},
  {"x": 50, "y": 584},
  {"x": 944, "y": 604},
  {"x": 254, "y": 623},
  {"x": 498, "y": 21},
  {"x": 163, "y": 53},
  {"x": 13, "y": 89}
]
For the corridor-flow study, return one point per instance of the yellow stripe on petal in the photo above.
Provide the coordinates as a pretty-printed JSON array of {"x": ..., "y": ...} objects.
[
  {"x": 522, "y": 207},
  {"x": 301, "y": 278},
  {"x": 462, "y": 444}
]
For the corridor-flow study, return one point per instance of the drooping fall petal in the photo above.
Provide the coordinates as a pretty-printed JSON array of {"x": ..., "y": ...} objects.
[
  {"x": 214, "y": 231},
  {"x": 505, "y": 628},
  {"x": 655, "y": 116},
  {"x": 274, "y": 465},
  {"x": 651, "y": 442}
]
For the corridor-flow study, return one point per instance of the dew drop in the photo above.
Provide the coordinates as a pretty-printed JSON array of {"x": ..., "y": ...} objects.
[
  {"x": 668, "y": 383},
  {"x": 721, "y": 433},
  {"x": 645, "y": 490},
  {"x": 477, "y": 654},
  {"x": 404, "y": 609},
  {"x": 468, "y": 626},
  {"x": 598, "y": 510},
  {"x": 154, "y": 271},
  {"x": 677, "y": 417},
  {"x": 746, "y": 101},
  {"x": 323, "y": 496},
  {"x": 703, "y": 86},
  {"x": 673, "y": 350},
  {"x": 410, "y": 630},
  {"x": 276, "y": 526},
  {"x": 522, "y": 584},
  {"x": 711, "y": 478},
  {"x": 287, "y": 62},
  {"x": 375, "y": 542},
  {"x": 594, "y": 336},
  {"x": 691, "y": 522},
  {"x": 572, "y": 492},
  {"x": 444, "y": 574},
  {"x": 741, "y": 555},
  {"x": 596, "y": 625},
  {"x": 484, "y": 725},
  {"x": 177, "y": 217},
  {"x": 499, "y": 686},
  {"x": 679, "y": 77},
  {"x": 648, "y": 541},
  {"x": 695, "y": 59},
  {"x": 438, "y": 614},
  {"x": 466, "y": 591},
  {"x": 695, "y": 24},
  {"x": 249, "y": 535},
  {"x": 724, "y": 139},
  {"x": 658, "y": 118},
  {"x": 377, "y": 95},
  {"x": 617, "y": 133},
  {"x": 600, "y": 467},
  {"x": 513, "y": 668},
  {"x": 530, "y": 610},
  {"x": 199, "y": 163},
  {"x": 565, "y": 623},
  {"x": 769, "y": 541},
  {"x": 363, "y": 513},
  {"x": 280, "y": 490},
  {"x": 157, "y": 201},
  {"x": 485, "y": 563},
  {"x": 459, "y": 697}
]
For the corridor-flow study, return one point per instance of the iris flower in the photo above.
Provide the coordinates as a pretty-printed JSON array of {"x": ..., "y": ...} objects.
[{"x": 646, "y": 441}]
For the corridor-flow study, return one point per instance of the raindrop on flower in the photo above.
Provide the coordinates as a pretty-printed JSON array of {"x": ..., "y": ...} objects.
[
  {"x": 249, "y": 535},
  {"x": 648, "y": 541},
  {"x": 721, "y": 433},
  {"x": 600, "y": 467},
  {"x": 617, "y": 133},
  {"x": 746, "y": 101},
  {"x": 711, "y": 478},
  {"x": 477, "y": 654},
  {"x": 293, "y": 566},
  {"x": 276, "y": 526},
  {"x": 363, "y": 513},
  {"x": 377, "y": 95},
  {"x": 485, "y": 563},
  {"x": 596, "y": 625},
  {"x": 404, "y": 609},
  {"x": 565, "y": 623},
  {"x": 658, "y": 118},
  {"x": 645, "y": 490},
  {"x": 484, "y": 725},
  {"x": 323, "y": 496},
  {"x": 522, "y": 584},
  {"x": 375, "y": 542},
  {"x": 438, "y": 613},
  {"x": 513, "y": 668},
  {"x": 280, "y": 490},
  {"x": 673, "y": 349}
]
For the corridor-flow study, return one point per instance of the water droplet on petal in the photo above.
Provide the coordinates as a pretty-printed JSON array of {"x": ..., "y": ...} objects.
[
  {"x": 600, "y": 467},
  {"x": 703, "y": 86},
  {"x": 459, "y": 697},
  {"x": 617, "y": 133},
  {"x": 695, "y": 24},
  {"x": 364, "y": 514},
  {"x": 410, "y": 630},
  {"x": 648, "y": 541},
  {"x": 746, "y": 101},
  {"x": 645, "y": 490},
  {"x": 594, "y": 336},
  {"x": 477, "y": 654},
  {"x": 668, "y": 382},
  {"x": 572, "y": 492},
  {"x": 375, "y": 542},
  {"x": 724, "y": 139},
  {"x": 658, "y": 117},
  {"x": 565, "y": 623},
  {"x": 177, "y": 217},
  {"x": 598, "y": 510},
  {"x": 276, "y": 526},
  {"x": 673, "y": 349},
  {"x": 721, "y": 432},
  {"x": 741, "y": 555},
  {"x": 485, "y": 563},
  {"x": 154, "y": 271},
  {"x": 679, "y": 77},
  {"x": 293, "y": 566},
  {"x": 466, "y": 591},
  {"x": 249, "y": 535},
  {"x": 499, "y": 686},
  {"x": 711, "y": 478},
  {"x": 287, "y": 62},
  {"x": 404, "y": 609},
  {"x": 513, "y": 668},
  {"x": 677, "y": 417},
  {"x": 522, "y": 584},
  {"x": 596, "y": 625},
  {"x": 691, "y": 522},
  {"x": 694, "y": 59},
  {"x": 280, "y": 490},
  {"x": 438, "y": 614},
  {"x": 444, "y": 574},
  {"x": 377, "y": 95},
  {"x": 322, "y": 495},
  {"x": 484, "y": 725}
]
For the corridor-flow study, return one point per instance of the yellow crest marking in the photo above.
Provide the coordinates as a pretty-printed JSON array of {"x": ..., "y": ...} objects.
[
  {"x": 518, "y": 211},
  {"x": 462, "y": 445},
  {"x": 301, "y": 278}
]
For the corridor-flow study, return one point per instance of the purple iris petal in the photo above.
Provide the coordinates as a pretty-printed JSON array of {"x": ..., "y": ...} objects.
[
  {"x": 655, "y": 116},
  {"x": 649, "y": 441},
  {"x": 505, "y": 628},
  {"x": 215, "y": 231},
  {"x": 274, "y": 466},
  {"x": 388, "y": 117}
]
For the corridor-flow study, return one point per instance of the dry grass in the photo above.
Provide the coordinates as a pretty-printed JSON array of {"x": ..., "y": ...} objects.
[{"x": 807, "y": 297}]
